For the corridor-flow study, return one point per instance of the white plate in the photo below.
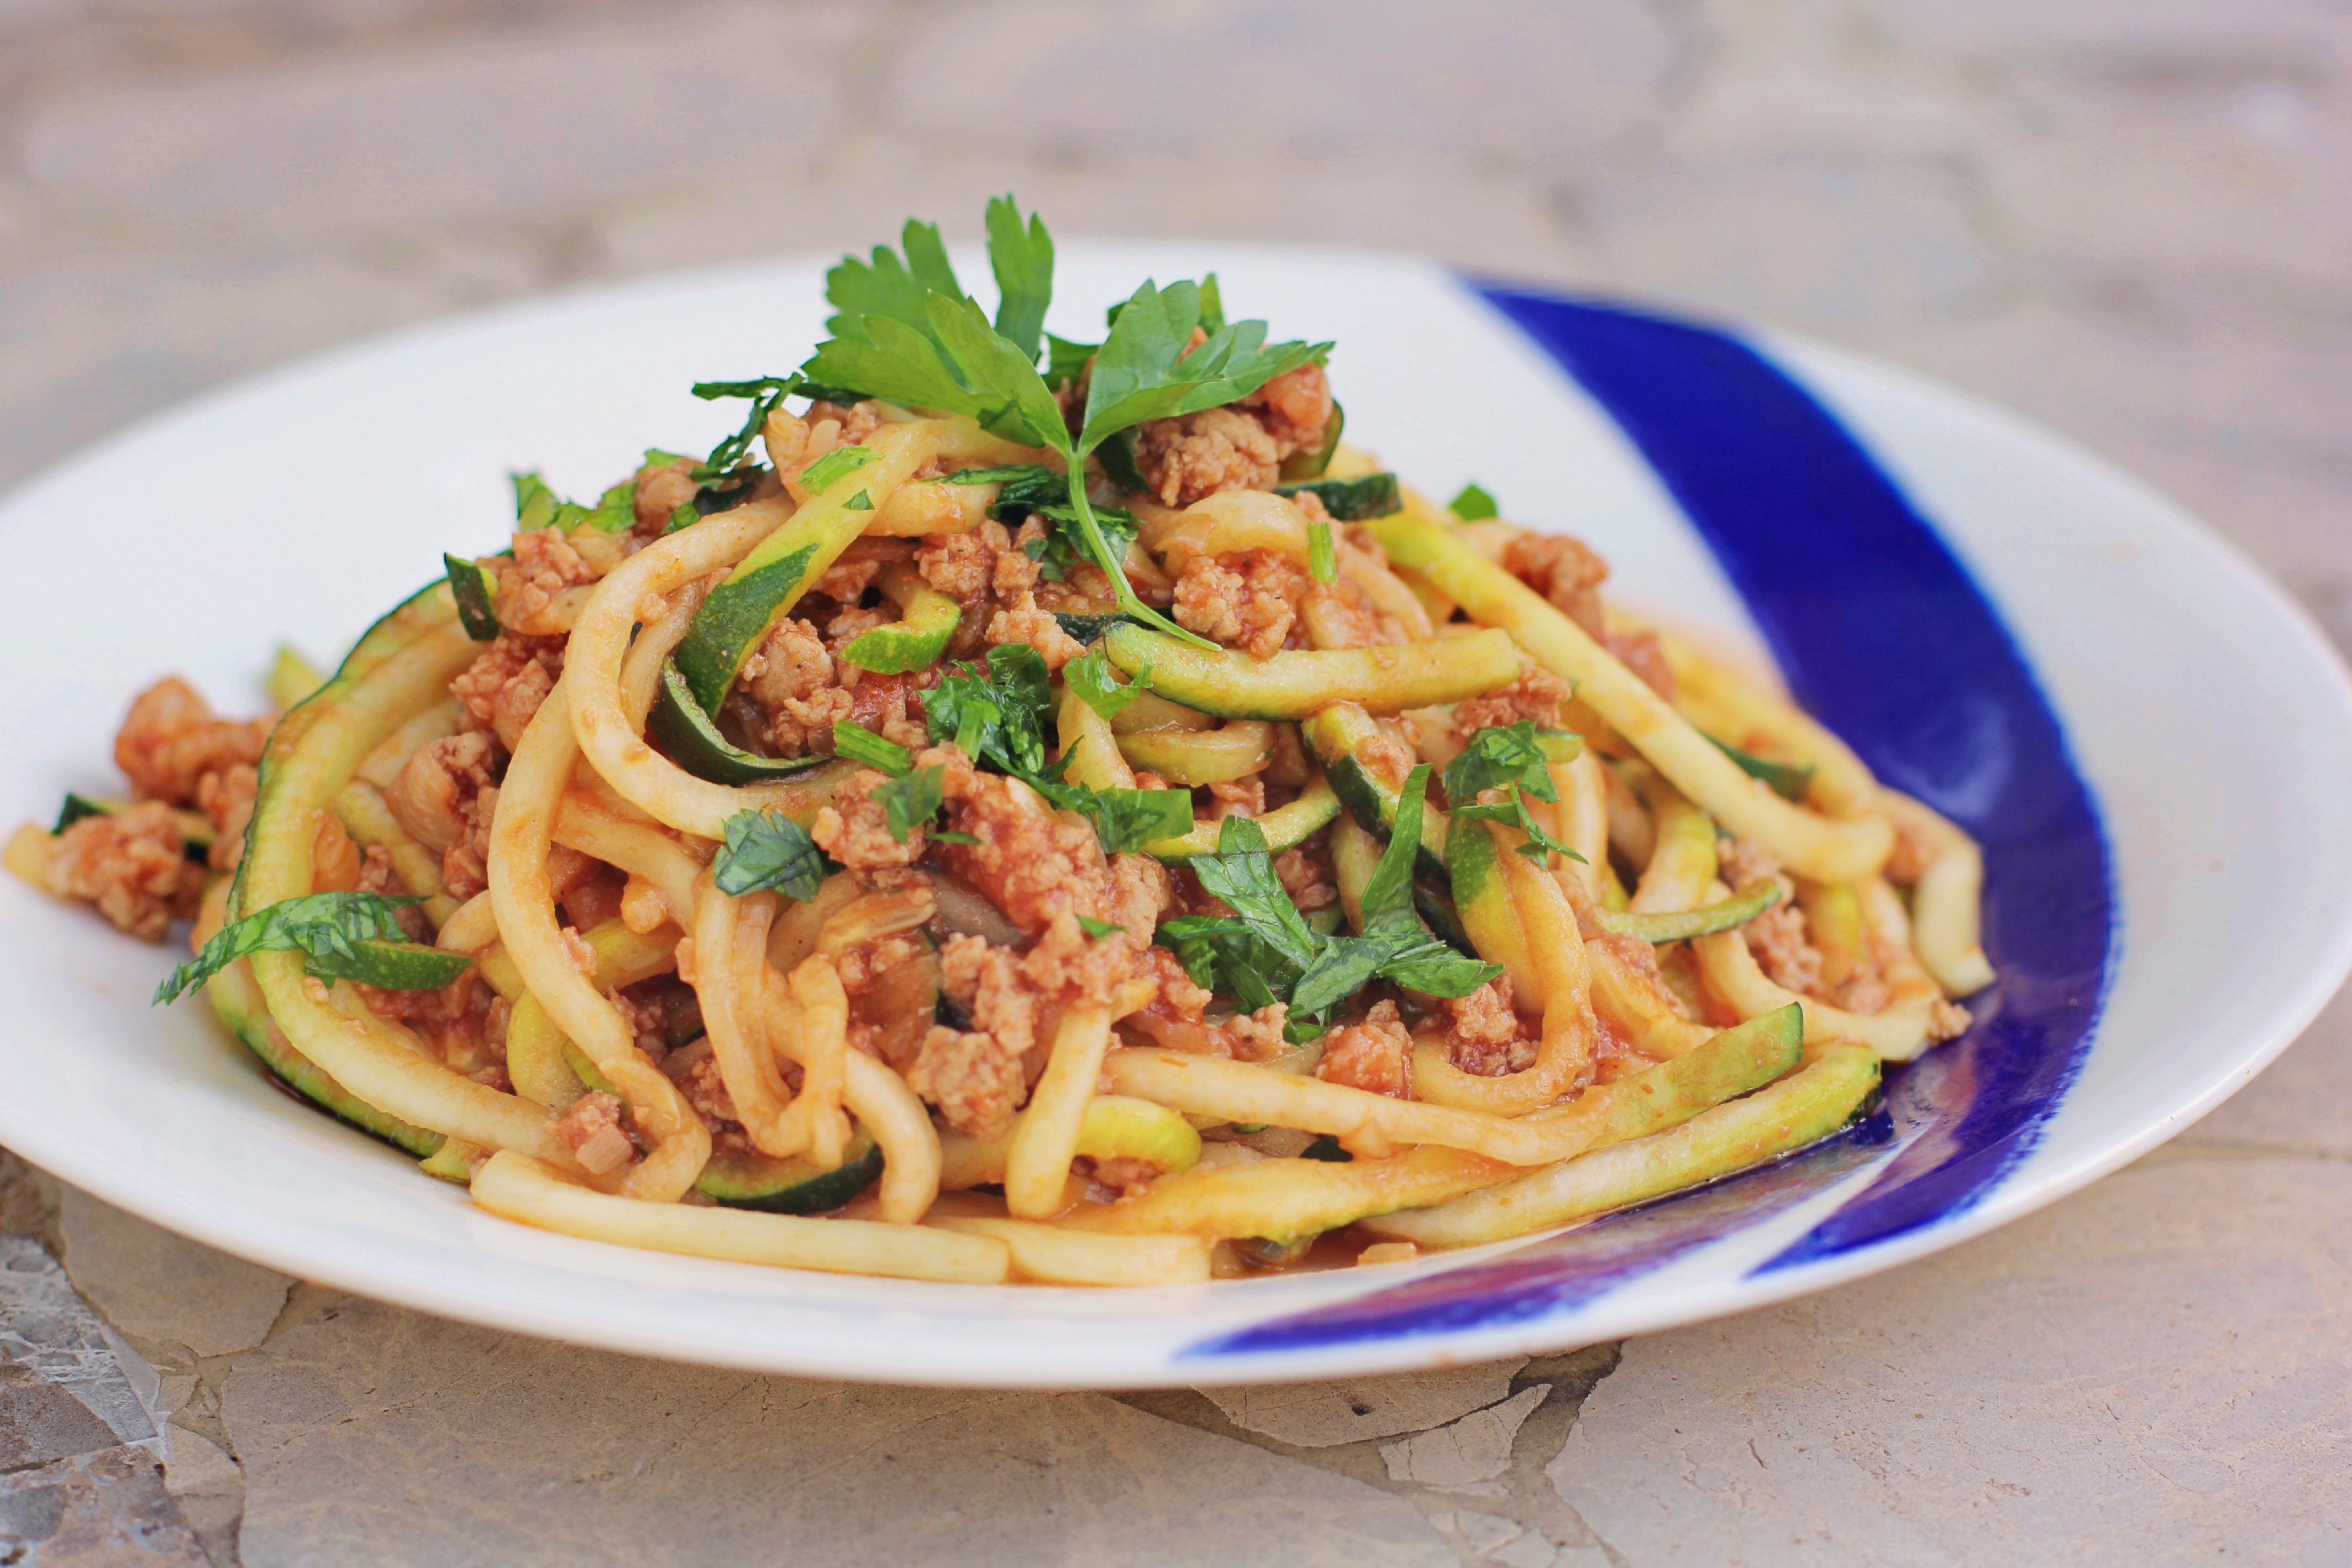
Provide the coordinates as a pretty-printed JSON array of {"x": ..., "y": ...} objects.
[{"x": 2212, "y": 724}]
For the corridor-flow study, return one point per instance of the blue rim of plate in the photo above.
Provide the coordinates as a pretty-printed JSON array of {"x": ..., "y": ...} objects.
[{"x": 1883, "y": 635}]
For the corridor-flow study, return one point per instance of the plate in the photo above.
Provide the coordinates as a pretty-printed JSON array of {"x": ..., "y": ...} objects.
[{"x": 2151, "y": 741}]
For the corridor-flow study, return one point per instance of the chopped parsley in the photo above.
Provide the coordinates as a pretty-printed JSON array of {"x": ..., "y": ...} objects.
[
  {"x": 767, "y": 849},
  {"x": 1265, "y": 952},
  {"x": 1089, "y": 675},
  {"x": 1352, "y": 500},
  {"x": 912, "y": 800},
  {"x": 859, "y": 744},
  {"x": 766, "y": 394},
  {"x": 838, "y": 463},
  {"x": 329, "y": 929},
  {"x": 1515, "y": 759},
  {"x": 1474, "y": 505},
  {"x": 537, "y": 507}
]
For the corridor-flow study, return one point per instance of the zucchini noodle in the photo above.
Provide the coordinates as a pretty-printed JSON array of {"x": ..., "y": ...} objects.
[{"x": 826, "y": 863}]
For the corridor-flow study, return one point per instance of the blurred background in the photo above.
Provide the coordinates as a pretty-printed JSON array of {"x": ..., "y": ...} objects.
[{"x": 2128, "y": 218}]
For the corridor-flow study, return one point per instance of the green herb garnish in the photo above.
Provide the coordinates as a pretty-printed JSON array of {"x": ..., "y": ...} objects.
[
  {"x": 912, "y": 802},
  {"x": 1473, "y": 505},
  {"x": 859, "y": 744},
  {"x": 768, "y": 850},
  {"x": 1515, "y": 759},
  {"x": 1352, "y": 500},
  {"x": 904, "y": 331},
  {"x": 766, "y": 394},
  {"x": 333, "y": 931},
  {"x": 1089, "y": 675},
  {"x": 838, "y": 463}
]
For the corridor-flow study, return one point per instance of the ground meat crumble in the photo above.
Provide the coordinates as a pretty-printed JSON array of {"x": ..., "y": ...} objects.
[{"x": 1375, "y": 1054}]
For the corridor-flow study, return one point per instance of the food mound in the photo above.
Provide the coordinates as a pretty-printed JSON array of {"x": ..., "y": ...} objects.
[{"x": 1033, "y": 809}]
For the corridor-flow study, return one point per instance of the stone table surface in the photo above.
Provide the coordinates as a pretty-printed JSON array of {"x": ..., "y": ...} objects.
[{"x": 2131, "y": 219}]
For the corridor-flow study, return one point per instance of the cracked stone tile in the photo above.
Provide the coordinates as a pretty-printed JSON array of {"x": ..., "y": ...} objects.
[
  {"x": 370, "y": 1435},
  {"x": 2152, "y": 1371},
  {"x": 1468, "y": 1454},
  {"x": 1326, "y": 1414},
  {"x": 55, "y": 1351},
  {"x": 106, "y": 1510},
  {"x": 154, "y": 1285},
  {"x": 208, "y": 1487}
]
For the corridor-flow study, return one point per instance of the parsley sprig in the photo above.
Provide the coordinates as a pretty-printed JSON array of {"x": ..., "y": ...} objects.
[
  {"x": 331, "y": 930},
  {"x": 1515, "y": 759},
  {"x": 997, "y": 713},
  {"x": 904, "y": 330},
  {"x": 1266, "y": 952}
]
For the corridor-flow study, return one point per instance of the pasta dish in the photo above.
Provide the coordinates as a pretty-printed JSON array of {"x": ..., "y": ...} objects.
[{"x": 1031, "y": 809}]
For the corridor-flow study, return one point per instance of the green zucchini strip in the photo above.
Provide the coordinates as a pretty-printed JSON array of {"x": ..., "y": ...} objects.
[
  {"x": 1286, "y": 827},
  {"x": 678, "y": 724},
  {"x": 1114, "y": 1126},
  {"x": 1293, "y": 685},
  {"x": 1336, "y": 736},
  {"x": 1093, "y": 750},
  {"x": 1776, "y": 1121},
  {"x": 309, "y": 760},
  {"x": 238, "y": 1002},
  {"x": 791, "y": 1186},
  {"x": 927, "y": 619},
  {"x": 770, "y": 581},
  {"x": 1282, "y": 1200},
  {"x": 1823, "y": 848},
  {"x": 1676, "y": 925},
  {"x": 1194, "y": 757},
  {"x": 1150, "y": 710},
  {"x": 1489, "y": 916}
]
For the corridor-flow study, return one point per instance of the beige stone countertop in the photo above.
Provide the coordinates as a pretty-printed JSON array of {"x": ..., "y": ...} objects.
[{"x": 2131, "y": 219}]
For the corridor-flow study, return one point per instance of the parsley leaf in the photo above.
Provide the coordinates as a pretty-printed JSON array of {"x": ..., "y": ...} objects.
[
  {"x": 1242, "y": 874},
  {"x": 996, "y": 712},
  {"x": 768, "y": 850},
  {"x": 1352, "y": 500},
  {"x": 1089, "y": 675},
  {"x": 888, "y": 287},
  {"x": 1093, "y": 928},
  {"x": 1022, "y": 259},
  {"x": 1474, "y": 505},
  {"x": 859, "y": 744},
  {"x": 1501, "y": 757},
  {"x": 325, "y": 928},
  {"x": 1066, "y": 362},
  {"x": 945, "y": 355},
  {"x": 838, "y": 463},
  {"x": 1514, "y": 759},
  {"x": 1128, "y": 820},
  {"x": 1540, "y": 845},
  {"x": 766, "y": 394},
  {"x": 910, "y": 801}
]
